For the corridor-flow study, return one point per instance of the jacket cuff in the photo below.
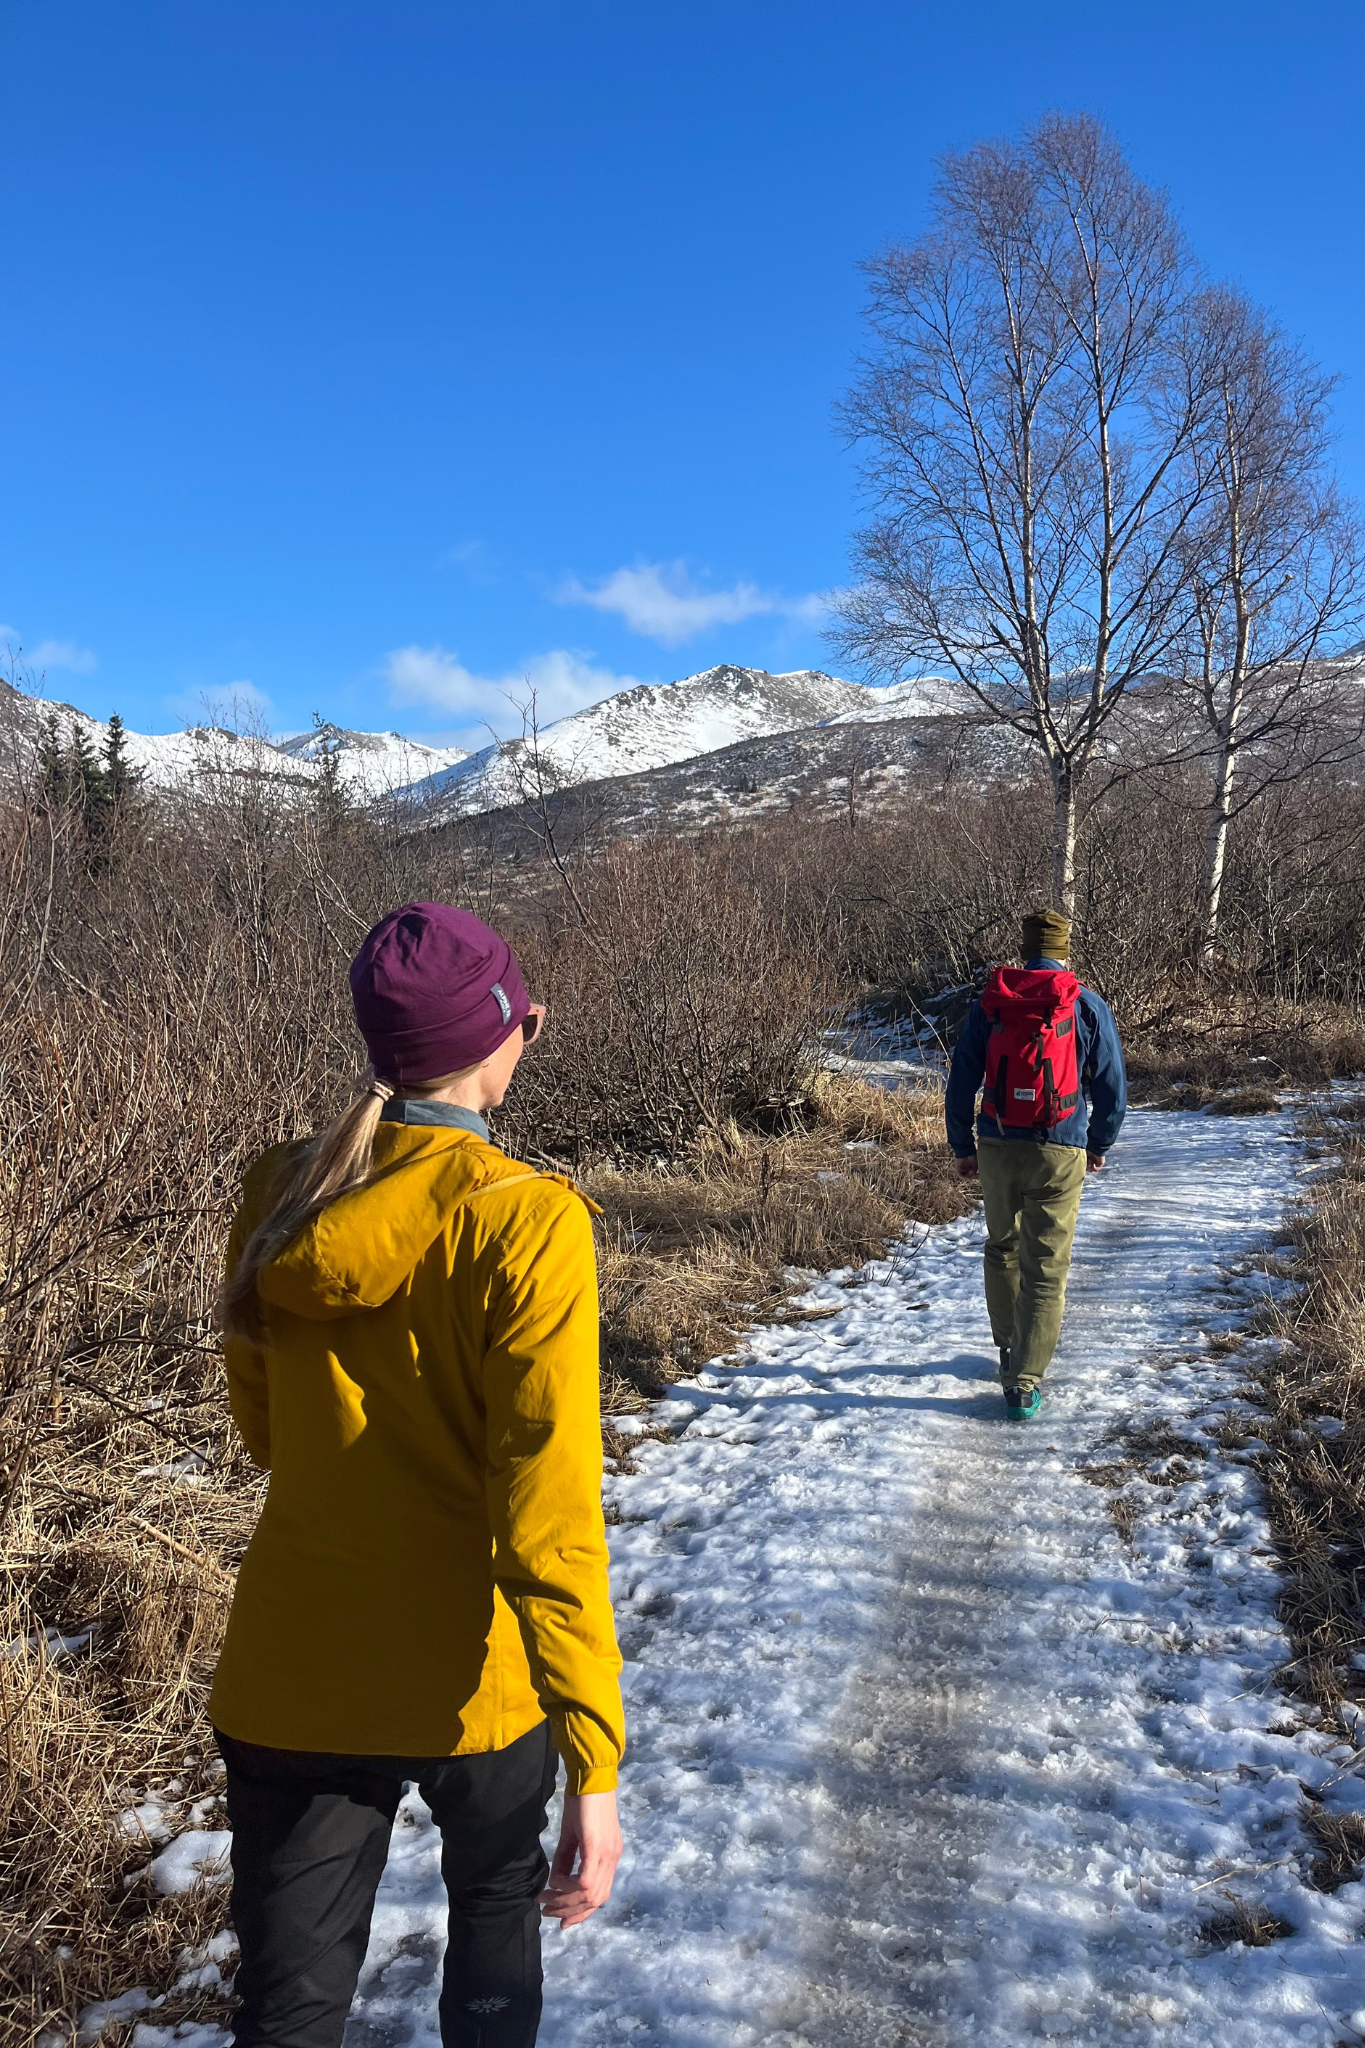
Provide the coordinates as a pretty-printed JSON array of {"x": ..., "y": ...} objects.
[
  {"x": 581, "y": 1778},
  {"x": 591, "y": 1751}
]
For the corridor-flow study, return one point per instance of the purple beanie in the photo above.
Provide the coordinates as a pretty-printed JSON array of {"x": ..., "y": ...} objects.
[{"x": 435, "y": 991}]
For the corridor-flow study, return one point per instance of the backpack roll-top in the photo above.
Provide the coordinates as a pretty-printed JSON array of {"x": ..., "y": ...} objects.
[{"x": 1032, "y": 1073}]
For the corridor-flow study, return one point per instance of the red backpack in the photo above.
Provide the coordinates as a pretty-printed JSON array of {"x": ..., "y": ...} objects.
[{"x": 1032, "y": 1074}]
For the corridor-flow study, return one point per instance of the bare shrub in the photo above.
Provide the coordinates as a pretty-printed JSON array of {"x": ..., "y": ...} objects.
[
  {"x": 678, "y": 999},
  {"x": 921, "y": 898}
]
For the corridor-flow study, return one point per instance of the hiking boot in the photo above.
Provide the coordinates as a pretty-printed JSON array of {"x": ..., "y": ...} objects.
[{"x": 1022, "y": 1403}]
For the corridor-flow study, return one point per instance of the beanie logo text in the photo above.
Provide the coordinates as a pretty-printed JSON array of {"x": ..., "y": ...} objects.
[{"x": 503, "y": 1003}]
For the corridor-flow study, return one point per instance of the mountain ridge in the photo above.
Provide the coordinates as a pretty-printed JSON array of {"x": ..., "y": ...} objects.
[
  {"x": 370, "y": 765},
  {"x": 655, "y": 725},
  {"x": 649, "y": 726}
]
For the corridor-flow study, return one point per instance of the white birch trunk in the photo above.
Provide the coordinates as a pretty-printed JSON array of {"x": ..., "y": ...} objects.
[
  {"x": 1216, "y": 843},
  {"x": 1063, "y": 841}
]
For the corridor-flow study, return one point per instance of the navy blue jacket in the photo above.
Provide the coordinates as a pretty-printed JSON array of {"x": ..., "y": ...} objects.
[{"x": 1103, "y": 1080}]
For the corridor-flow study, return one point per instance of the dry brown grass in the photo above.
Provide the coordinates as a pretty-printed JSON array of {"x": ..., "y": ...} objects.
[
  {"x": 1251, "y": 1925},
  {"x": 694, "y": 1253},
  {"x": 1244, "y": 1102},
  {"x": 1229, "y": 1050},
  {"x": 125, "y": 1499},
  {"x": 82, "y": 1920},
  {"x": 1315, "y": 1476},
  {"x": 1339, "y": 1839},
  {"x": 138, "y": 1584}
]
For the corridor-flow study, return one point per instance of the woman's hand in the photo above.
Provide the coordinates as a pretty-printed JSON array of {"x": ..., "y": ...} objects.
[{"x": 586, "y": 1859}]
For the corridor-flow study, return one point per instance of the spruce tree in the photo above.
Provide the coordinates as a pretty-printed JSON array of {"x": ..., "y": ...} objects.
[
  {"x": 123, "y": 779},
  {"x": 54, "y": 764},
  {"x": 89, "y": 790},
  {"x": 333, "y": 801},
  {"x": 72, "y": 772}
]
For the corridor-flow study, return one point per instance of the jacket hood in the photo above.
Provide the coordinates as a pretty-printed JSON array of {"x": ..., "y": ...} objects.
[{"x": 359, "y": 1251}]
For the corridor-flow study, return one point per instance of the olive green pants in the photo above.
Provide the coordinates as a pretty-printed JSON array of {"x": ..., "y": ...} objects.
[{"x": 1032, "y": 1195}]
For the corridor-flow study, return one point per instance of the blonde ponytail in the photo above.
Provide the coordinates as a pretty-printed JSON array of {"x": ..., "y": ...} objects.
[{"x": 339, "y": 1158}]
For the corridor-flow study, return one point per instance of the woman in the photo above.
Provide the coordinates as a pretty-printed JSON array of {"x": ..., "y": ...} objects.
[{"x": 411, "y": 1324}]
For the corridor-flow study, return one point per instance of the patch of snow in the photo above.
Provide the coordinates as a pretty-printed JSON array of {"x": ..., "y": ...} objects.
[
  {"x": 209, "y": 1968},
  {"x": 188, "y": 2034},
  {"x": 146, "y": 1823},
  {"x": 187, "y": 1469},
  {"x": 199, "y": 1855},
  {"x": 51, "y": 1639},
  {"x": 898, "y": 1054},
  {"x": 105, "y": 2011},
  {"x": 894, "y": 1071},
  {"x": 916, "y": 697}
]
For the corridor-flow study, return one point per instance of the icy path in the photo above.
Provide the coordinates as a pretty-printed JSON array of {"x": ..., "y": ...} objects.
[{"x": 921, "y": 1752}]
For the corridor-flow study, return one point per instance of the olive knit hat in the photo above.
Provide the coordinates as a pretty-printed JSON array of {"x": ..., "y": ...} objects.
[{"x": 1046, "y": 935}]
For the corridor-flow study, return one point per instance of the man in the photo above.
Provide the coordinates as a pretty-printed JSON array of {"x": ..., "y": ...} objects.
[{"x": 1040, "y": 1043}]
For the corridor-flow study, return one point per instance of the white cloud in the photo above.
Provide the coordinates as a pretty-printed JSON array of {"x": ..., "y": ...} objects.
[
  {"x": 562, "y": 681},
  {"x": 660, "y": 601},
  {"x": 62, "y": 654}
]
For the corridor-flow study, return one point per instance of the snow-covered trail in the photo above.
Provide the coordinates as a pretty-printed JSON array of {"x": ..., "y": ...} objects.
[{"x": 921, "y": 1751}]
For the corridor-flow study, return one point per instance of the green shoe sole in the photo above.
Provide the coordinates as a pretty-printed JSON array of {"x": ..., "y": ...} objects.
[{"x": 1025, "y": 1409}]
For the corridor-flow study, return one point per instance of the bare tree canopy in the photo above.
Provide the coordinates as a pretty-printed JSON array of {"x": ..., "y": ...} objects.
[
  {"x": 1026, "y": 417},
  {"x": 1274, "y": 570}
]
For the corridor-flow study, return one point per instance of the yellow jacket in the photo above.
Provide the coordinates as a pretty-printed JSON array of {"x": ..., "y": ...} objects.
[{"x": 429, "y": 1573}]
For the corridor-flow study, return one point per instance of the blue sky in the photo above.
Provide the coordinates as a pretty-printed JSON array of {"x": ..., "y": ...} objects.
[{"x": 372, "y": 358}]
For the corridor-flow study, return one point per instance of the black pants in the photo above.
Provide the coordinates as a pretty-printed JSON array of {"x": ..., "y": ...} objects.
[{"x": 310, "y": 1834}]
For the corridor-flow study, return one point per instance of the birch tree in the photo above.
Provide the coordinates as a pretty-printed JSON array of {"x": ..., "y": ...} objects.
[
  {"x": 1023, "y": 415},
  {"x": 1275, "y": 570}
]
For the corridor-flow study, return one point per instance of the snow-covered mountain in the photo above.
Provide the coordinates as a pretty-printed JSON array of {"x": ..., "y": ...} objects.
[
  {"x": 916, "y": 697},
  {"x": 370, "y": 764},
  {"x": 652, "y": 726},
  {"x": 657, "y": 724}
]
